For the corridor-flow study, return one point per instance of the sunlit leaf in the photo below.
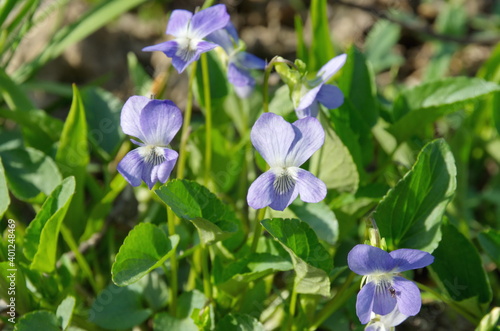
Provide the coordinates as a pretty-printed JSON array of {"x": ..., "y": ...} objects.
[
  {"x": 144, "y": 249},
  {"x": 40, "y": 241},
  {"x": 410, "y": 215}
]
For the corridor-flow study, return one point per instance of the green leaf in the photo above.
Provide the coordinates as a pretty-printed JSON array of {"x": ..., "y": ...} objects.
[
  {"x": 321, "y": 50},
  {"x": 29, "y": 172},
  {"x": 102, "y": 110},
  {"x": 72, "y": 158},
  {"x": 358, "y": 84},
  {"x": 459, "y": 270},
  {"x": 14, "y": 96},
  {"x": 379, "y": 46},
  {"x": 239, "y": 322},
  {"x": 64, "y": 311},
  {"x": 117, "y": 308},
  {"x": 144, "y": 249},
  {"x": 191, "y": 201},
  {"x": 491, "y": 321},
  {"x": 187, "y": 304},
  {"x": 410, "y": 215},
  {"x": 165, "y": 321},
  {"x": 91, "y": 21},
  {"x": 10, "y": 272},
  {"x": 415, "y": 108},
  {"x": 319, "y": 217},
  {"x": 40, "y": 240},
  {"x": 490, "y": 241},
  {"x": 38, "y": 320},
  {"x": 339, "y": 173},
  {"x": 155, "y": 290},
  {"x": 4, "y": 192},
  {"x": 311, "y": 261}
]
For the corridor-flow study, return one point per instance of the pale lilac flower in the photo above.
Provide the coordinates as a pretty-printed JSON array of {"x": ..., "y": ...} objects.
[
  {"x": 319, "y": 92},
  {"x": 189, "y": 31},
  {"x": 385, "y": 322},
  {"x": 384, "y": 289},
  {"x": 285, "y": 147},
  {"x": 240, "y": 63},
  {"x": 154, "y": 123}
]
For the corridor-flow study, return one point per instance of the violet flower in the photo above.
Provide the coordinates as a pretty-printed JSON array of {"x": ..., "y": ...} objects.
[
  {"x": 384, "y": 289},
  {"x": 154, "y": 123},
  {"x": 285, "y": 147},
  {"x": 189, "y": 31},
  {"x": 319, "y": 92},
  {"x": 240, "y": 63}
]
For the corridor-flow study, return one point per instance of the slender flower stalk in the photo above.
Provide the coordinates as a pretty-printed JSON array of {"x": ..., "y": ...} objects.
[
  {"x": 208, "y": 118},
  {"x": 187, "y": 122},
  {"x": 174, "y": 265}
]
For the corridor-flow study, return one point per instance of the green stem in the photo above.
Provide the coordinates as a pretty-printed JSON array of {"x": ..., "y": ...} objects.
[
  {"x": 293, "y": 302},
  {"x": 258, "y": 228},
  {"x": 173, "y": 265},
  {"x": 474, "y": 320},
  {"x": 68, "y": 238},
  {"x": 181, "y": 164},
  {"x": 208, "y": 117},
  {"x": 344, "y": 293}
]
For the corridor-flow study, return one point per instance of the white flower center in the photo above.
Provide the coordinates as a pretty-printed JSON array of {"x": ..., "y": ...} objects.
[
  {"x": 152, "y": 154},
  {"x": 186, "y": 47},
  {"x": 286, "y": 177}
]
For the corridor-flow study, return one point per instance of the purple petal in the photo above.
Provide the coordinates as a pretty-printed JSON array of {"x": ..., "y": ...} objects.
[
  {"x": 250, "y": 61},
  {"x": 261, "y": 192},
  {"x": 181, "y": 56},
  {"x": 383, "y": 300},
  {"x": 179, "y": 22},
  {"x": 239, "y": 76},
  {"x": 310, "y": 188},
  {"x": 364, "y": 303},
  {"x": 232, "y": 31},
  {"x": 281, "y": 201},
  {"x": 311, "y": 111},
  {"x": 331, "y": 67},
  {"x": 161, "y": 172},
  {"x": 272, "y": 136},
  {"x": 330, "y": 96},
  {"x": 365, "y": 260},
  {"x": 131, "y": 112},
  {"x": 407, "y": 295},
  {"x": 309, "y": 137},
  {"x": 407, "y": 259},
  {"x": 131, "y": 167},
  {"x": 167, "y": 47},
  {"x": 308, "y": 98},
  {"x": 209, "y": 20},
  {"x": 223, "y": 39},
  {"x": 160, "y": 120}
]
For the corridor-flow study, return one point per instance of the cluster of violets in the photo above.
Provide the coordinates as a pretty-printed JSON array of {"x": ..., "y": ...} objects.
[{"x": 386, "y": 299}]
